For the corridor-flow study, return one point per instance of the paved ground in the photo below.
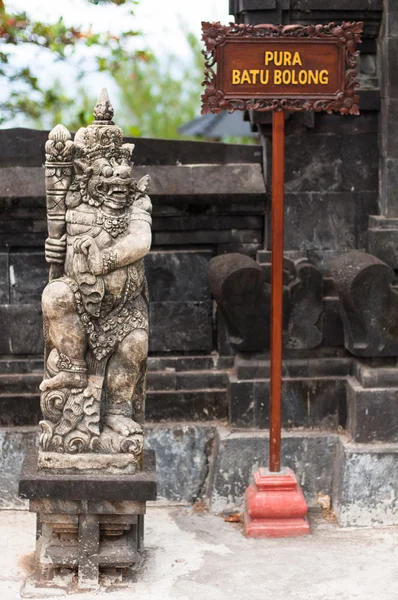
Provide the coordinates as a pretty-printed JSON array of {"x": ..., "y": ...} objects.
[{"x": 199, "y": 556}]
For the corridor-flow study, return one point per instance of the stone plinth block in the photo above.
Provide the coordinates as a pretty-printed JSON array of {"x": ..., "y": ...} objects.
[
  {"x": 89, "y": 527},
  {"x": 276, "y": 506},
  {"x": 365, "y": 484},
  {"x": 368, "y": 304}
]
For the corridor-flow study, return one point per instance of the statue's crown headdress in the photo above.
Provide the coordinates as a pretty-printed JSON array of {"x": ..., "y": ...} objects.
[{"x": 102, "y": 138}]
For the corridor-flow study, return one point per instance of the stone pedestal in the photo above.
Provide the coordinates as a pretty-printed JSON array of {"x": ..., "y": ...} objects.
[
  {"x": 89, "y": 527},
  {"x": 276, "y": 506}
]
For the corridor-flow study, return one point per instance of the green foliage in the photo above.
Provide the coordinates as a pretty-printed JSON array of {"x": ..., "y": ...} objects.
[
  {"x": 26, "y": 96},
  {"x": 156, "y": 94}
]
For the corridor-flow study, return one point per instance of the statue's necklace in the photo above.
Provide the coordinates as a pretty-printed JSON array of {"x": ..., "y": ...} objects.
[{"x": 115, "y": 225}]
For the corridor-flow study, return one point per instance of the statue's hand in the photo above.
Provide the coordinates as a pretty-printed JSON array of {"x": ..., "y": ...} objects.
[
  {"x": 86, "y": 245},
  {"x": 55, "y": 249}
]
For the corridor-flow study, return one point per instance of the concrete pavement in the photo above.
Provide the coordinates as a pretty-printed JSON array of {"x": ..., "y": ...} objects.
[{"x": 198, "y": 556}]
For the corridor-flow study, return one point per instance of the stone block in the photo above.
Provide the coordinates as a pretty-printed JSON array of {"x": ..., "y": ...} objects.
[
  {"x": 140, "y": 487},
  {"x": 249, "y": 5},
  {"x": 30, "y": 240},
  {"x": 14, "y": 444},
  {"x": 201, "y": 380},
  {"x": 241, "y": 291},
  {"x": 178, "y": 276},
  {"x": 186, "y": 380},
  {"x": 181, "y": 327},
  {"x": 22, "y": 146},
  {"x": 391, "y": 18},
  {"x": 388, "y": 187},
  {"x": 188, "y": 152},
  {"x": 310, "y": 455},
  {"x": 186, "y": 405},
  {"x": 28, "y": 277},
  {"x": 337, "y": 5},
  {"x": 166, "y": 180},
  {"x": 368, "y": 304},
  {"x": 316, "y": 366},
  {"x": 21, "y": 329},
  {"x": 51, "y": 508},
  {"x": 19, "y": 409},
  {"x": 207, "y": 222},
  {"x": 248, "y": 249},
  {"x": 365, "y": 484},
  {"x": 372, "y": 413},
  {"x": 389, "y": 57},
  {"x": 349, "y": 125},
  {"x": 257, "y": 17},
  {"x": 161, "y": 380},
  {"x": 22, "y": 209},
  {"x": 4, "y": 279},
  {"x": 359, "y": 155},
  {"x": 366, "y": 204},
  {"x": 215, "y": 206},
  {"x": 17, "y": 366},
  {"x": 244, "y": 5},
  {"x": 331, "y": 324},
  {"x": 309, "y": 403},
  {"x": 22, "y": 182},
  {"x": 238, "y": 236},
  {"x": 241, "y": 407},
  {"x": 202, "y": 180},
  {"x": 383, "y": 239},
  {"x": 313, "y": 166},
  {"x": 304, "y": 307},
  {"x": 190, "y": 447},
  {"x": 304, "y": 230},
  {"x": 389, "y": 128},
  {"x": 189, "y": 363},
  {"x": 183, "y": 457},
  {"x": 10, "y": 228},
  {"x": 223, "y": 347},
  {"x": 369, "y": 100},
  {"x": 370, "y": 376}
]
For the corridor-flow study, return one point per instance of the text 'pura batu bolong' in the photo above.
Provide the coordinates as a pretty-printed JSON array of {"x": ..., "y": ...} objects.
[{"x": 281, "y": 76}]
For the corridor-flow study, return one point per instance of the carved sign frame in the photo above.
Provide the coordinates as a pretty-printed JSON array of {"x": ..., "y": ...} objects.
[{"x": 346, "y": 36}]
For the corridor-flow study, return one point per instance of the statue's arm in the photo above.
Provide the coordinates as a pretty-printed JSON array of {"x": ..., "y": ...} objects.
[
  {"x": 123, "y": 252},
  {"x": 138, "y": 241},
  {"x": 128, "y": 250}
]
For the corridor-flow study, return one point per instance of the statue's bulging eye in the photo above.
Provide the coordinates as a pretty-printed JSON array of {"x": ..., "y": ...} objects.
[{"x": 107, "y": 171}]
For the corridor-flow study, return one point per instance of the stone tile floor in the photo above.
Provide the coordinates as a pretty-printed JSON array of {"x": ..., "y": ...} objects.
[{"x": 198, "y": 556}]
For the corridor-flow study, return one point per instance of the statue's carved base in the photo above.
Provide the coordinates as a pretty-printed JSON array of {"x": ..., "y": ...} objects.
[
  {"x": 89, "y": 527},
  {"x": 90, "y": 463}
]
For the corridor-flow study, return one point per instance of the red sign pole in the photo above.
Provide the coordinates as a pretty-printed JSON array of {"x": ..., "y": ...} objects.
[{"x": 277, "y": 223}]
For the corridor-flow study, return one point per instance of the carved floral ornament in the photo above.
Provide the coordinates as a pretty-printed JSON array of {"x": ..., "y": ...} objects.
[{"x": 345, "y": 36}]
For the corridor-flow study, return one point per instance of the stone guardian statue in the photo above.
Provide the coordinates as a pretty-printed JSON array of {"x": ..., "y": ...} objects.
[{"x": 95, "y": 306}]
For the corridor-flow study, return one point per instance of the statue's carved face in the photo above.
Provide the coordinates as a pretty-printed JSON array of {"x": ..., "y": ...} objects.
[{"x": 110, "y": 182}]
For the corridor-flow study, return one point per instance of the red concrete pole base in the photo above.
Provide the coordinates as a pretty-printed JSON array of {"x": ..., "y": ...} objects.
[{"x": 275, "y": 506}]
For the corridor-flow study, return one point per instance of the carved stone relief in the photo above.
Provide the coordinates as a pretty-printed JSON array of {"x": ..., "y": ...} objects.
[
  {"x": 242, "y": 290},
  {"x": 369, "y": 304}
]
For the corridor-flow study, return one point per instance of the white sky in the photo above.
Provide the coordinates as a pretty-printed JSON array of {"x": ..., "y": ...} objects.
[
  {"x": 162, "y": 23},
  {"x": 159, "y": 20}
]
